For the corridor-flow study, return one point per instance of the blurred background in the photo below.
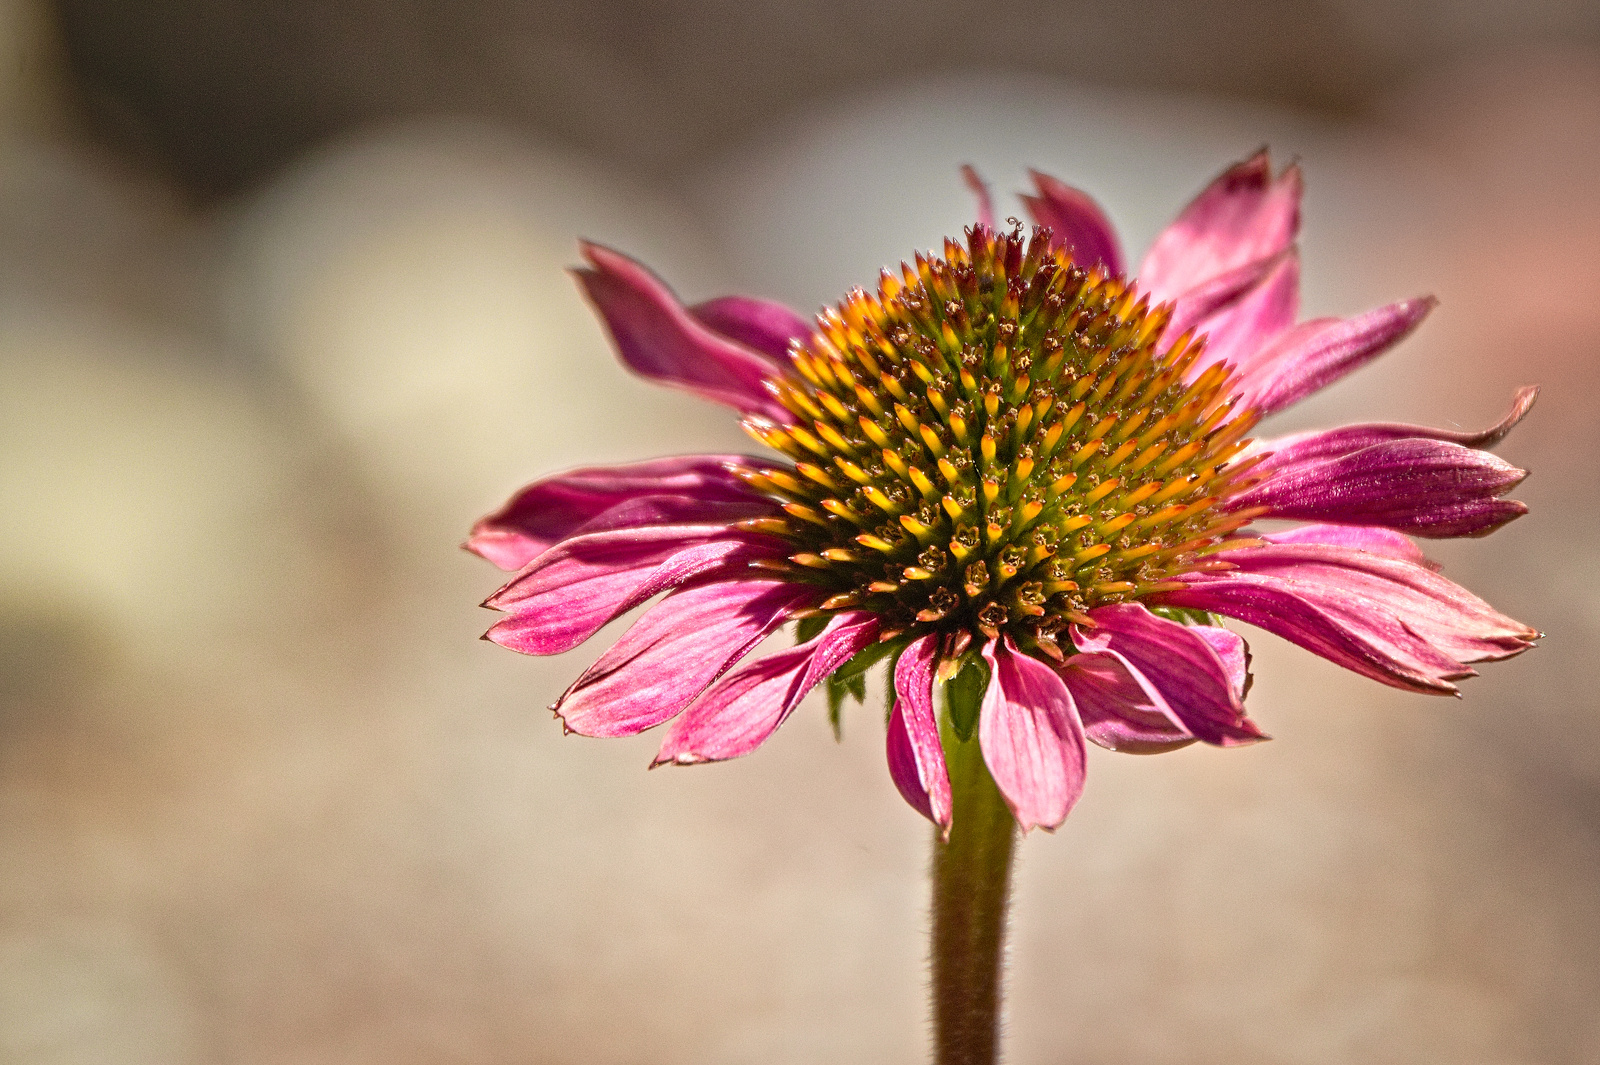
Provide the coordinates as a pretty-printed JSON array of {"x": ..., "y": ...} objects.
[{"x": 283, "y": 310}]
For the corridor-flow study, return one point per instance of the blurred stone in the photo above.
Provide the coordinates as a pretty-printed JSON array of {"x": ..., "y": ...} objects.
[
  {"x": 412, "y": 286},
  {"x": 142, "y": 492},
  {"x": 75, "y": 992}
]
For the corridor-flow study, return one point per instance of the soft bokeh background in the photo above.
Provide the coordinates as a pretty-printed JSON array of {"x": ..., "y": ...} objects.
[{"x": 282, "y": 310}]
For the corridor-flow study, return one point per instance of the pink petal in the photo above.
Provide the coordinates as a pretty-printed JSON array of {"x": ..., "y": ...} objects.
[
  {"x": 1386, "y": 618},
  {"x": 1179, "y": 670},
  {"x": 1031, "y": 737},
  {"x": 1233, "y": 652},
  {"x": 1079, "y": 224},
  {"x": 739, "y": 713},
  {"x": 697, "y": 487},
  {"x": 658, "y": 338},
  {"x": 916, "y": 755},
  {"x": 1117, "y": 713},
  {"x": 671, "y": 654},
  {"x": 1216, "y": 294},
  {"x": 1425, "y": 487},
  {"x": 766, "y": 326},
  {"x": 1379, "y": 541},
  {"x": 980, "y": 189},
  {"x": 1240, "y": 332},
  {"x": 579, "y": 586},
  {"x": 1242, "y": 216},
  {"x": 643, "y": 512},
  {"x": 1317, "y": 353},
  {"x": 1331, "y": 443}
]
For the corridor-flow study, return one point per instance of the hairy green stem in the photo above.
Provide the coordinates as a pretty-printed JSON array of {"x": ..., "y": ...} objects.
[{"x": 971, "y": 887}]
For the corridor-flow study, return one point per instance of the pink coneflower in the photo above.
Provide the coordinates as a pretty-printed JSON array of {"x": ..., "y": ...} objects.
[{"x": 1017, "y": 469}]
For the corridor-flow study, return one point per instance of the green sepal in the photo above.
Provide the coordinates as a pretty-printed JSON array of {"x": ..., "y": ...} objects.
[
  {"x": 865, "y": 659},
  {"x": 810, "y": 628},
  {"x": 963, "y": 695},
  {"x": 850, "y": 679},
  {"x": 1185, "y": 616},
  {"x": 889, "y": 694},
  {"x": 855, "y": 687}
]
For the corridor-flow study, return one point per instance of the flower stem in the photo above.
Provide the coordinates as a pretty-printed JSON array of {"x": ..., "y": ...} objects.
[{"x": 971, "y": 886}]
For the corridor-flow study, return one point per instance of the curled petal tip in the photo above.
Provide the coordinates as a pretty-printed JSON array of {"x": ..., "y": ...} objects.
[
  {"x": 1522, "y": 401},
  {"x": 680, "y": 758}
]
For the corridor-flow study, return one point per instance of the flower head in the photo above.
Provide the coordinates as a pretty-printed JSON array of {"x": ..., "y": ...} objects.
[{"x": 1015, "y": 469}]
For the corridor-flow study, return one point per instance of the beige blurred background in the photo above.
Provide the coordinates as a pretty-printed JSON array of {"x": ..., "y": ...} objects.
[{"x": 282, "y": 310}]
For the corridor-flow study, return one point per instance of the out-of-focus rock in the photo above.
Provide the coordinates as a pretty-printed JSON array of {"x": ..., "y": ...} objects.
[
  {"x": 93, "y": 991},
  {"x": 411, "y": 286},
  {"x": 143, "y": 493}
]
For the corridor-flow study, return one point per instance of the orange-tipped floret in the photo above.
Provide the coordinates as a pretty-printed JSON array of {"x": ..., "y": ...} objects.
[{"x": 1000, "y": 441}]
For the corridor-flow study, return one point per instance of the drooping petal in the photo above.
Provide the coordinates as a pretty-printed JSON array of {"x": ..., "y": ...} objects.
[
  {"x": 1179, "y": 670},
  {"x": 686, "y": 488},
  {"x": 1347, "y": 439},
  {"x": 1316, "y": 353},
  {"x": 658, "y": 337},
  {"x": 671, "y": 654},
  {"x": 738, "y": 714},
  {"x": 980, "y": 190},
  {"x": 1424, "y": 487},
  {"x": 1240, "y": 331},
  {"x": 916, "y": 756},
  {"x": 579, "y": 586},
  {"x": 1243, "y": 216},
  {"x": 1116, "y": 711},
  {"x": 1379, "y": 541},
  {"x": 766, "y": 326},
  {"x": 1079, "y": 224},
  {"x": 1384, "y": 617},
  {"x": 1031, "y": 737}
]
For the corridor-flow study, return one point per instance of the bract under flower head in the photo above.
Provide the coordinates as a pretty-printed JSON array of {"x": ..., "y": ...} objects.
[
  {"x": 999, "y": 442},
  {"x": 1019, "y": 471}
]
